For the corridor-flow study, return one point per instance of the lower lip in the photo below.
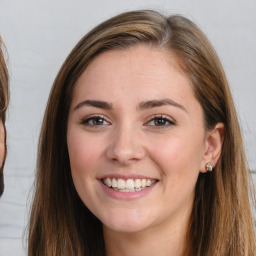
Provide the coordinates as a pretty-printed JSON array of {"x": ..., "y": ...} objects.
[{"x": 127, "y": 195}]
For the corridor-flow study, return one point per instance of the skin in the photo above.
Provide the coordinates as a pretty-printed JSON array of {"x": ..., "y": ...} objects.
[
  {"x": 2, "y": 154},
  {"x": 2, "y": 147},
  {"x": 167, "y": 143}
]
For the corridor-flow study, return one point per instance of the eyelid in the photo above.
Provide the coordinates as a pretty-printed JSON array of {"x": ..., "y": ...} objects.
[
  {"x": 85, "y": 121},
  {"x": 90, "y": 117},
  {"x": 160, "y": 116}
]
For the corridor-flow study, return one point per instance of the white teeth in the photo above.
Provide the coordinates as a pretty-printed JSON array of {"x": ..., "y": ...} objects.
[
  {"x": 108, "y": 182},
  {"x": 120, "y": 184},
  {"x": 137, "y": 183},
  {"x": 114, "y": 183},
  {"x": 143, "y": 183},
  {"x": 148, "y": 183},
  {"x": 127, "y": 190},
  {"x": 128, "y": 185}
]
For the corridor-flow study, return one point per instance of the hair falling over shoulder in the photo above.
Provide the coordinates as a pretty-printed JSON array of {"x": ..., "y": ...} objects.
[{"x": 221, "y": 221}]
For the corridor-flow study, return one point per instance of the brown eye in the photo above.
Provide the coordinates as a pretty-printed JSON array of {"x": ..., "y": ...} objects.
[
  {"x": 98, "y": 121},
  {"x": 160, "y": 122},
  {"x": 95, "y": 121}
]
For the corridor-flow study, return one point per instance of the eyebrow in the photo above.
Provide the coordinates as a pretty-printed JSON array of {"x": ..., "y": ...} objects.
[
  {"x": 94, "y": 103},
  {"x": 158, "y": 103},
  {"x": 142, "y": 106}
]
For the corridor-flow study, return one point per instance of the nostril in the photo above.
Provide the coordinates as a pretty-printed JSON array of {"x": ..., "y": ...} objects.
[
  {"x": 125, "y": 155},
  {"x": 125, "y": 145}
]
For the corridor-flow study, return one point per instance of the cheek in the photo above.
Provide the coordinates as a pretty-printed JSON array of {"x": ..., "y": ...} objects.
[
  {"x": 84, "y": 153},
  {"x": 178, "y": 153}
]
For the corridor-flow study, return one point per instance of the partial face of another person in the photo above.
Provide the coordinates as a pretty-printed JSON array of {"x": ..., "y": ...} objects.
[
  {"x": 2, "y": 143},
  {"x": 2, "y": 154},
  {"x": 3, "y": 101},
  {"x": 136, "y": 139}
]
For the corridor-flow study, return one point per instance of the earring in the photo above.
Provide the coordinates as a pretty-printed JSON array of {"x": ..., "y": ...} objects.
[{"x": 208, "y": 167}]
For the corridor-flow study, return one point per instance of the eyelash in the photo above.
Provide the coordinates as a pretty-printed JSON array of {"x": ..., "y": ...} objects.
[
  {"x": 164, "y": 119},
  {"x": 94, "y": 118}
]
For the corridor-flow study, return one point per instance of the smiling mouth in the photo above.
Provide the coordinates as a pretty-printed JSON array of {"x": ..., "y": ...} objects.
[{"x": 128, "y": 185}]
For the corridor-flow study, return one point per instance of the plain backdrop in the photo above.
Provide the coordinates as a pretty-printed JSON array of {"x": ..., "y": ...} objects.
[{"x": 40, "y": 33}]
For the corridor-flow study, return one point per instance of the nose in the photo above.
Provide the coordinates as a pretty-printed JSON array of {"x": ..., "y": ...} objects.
[{"x": 126, "y": 146}]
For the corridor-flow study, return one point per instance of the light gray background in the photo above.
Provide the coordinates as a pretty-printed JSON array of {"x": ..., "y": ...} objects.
[{"x": 40, "y": 33}]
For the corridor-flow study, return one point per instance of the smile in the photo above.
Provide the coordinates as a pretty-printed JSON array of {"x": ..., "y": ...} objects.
[{"x": 129, "y": 185}]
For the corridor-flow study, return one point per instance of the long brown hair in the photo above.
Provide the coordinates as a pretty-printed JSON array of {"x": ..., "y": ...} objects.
[
  {"x": 4, "y": 99},
  {"x": 221, "y": 220}
]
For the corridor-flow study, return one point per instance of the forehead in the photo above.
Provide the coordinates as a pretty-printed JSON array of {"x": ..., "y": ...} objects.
[
  {"x": 139, "y": 68},
  {"x": 149, "y": 56},
  {"x": 127, "y": 78}
]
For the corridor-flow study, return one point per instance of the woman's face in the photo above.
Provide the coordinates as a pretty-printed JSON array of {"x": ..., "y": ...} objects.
[{"x": 136, "y": 139}]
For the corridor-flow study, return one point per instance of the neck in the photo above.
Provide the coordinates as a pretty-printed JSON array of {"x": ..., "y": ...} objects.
[{"x": 161, "y": 240}]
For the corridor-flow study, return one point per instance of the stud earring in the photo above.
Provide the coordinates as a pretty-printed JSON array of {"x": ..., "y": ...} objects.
[{"x": 208, "y": 167}]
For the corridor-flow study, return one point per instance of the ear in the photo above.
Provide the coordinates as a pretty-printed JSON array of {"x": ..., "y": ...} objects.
[{"x": 213, "y": 146}]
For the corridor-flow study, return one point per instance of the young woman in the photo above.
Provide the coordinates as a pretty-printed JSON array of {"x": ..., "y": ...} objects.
[
  {"x": 3, "y": 106},
  {"x": 140, "y": 150}
]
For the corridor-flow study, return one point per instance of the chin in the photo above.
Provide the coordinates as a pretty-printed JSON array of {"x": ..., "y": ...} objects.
[
  {"x": 126, "y": 227},
  {"x": 127, "y": 223}
]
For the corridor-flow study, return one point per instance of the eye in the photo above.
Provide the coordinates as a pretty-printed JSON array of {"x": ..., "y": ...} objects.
[
  {"x": 160, "y": 122},
  {"x": 95, "y": 121}
]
